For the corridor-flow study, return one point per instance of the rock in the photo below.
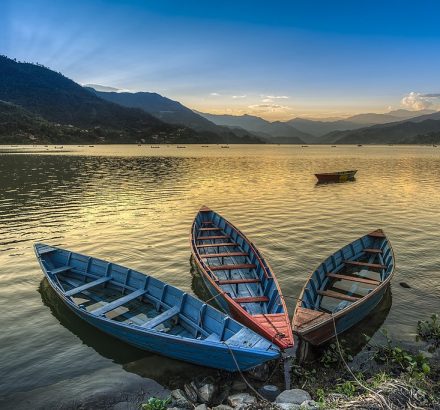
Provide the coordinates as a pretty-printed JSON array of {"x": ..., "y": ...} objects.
[
  {"x": 239, "y": 385},
  {"x": 206, "y": 392},
  {"x": 191, "y": 391},
  {"x": 288, "y": 406},
  {"x": 104, "y": 388},
  {"x": 295, "y": 396},
  {"x": 269, "y": 392},
  {"x": 180, "y": 400},
  {"x": 260, "y": 373},
  {"x": 404, "y": 285},
  {"x": 222, "y": 407},
  {"x": 309, "y": 405},
  {"x": 201, "y": 407},
  {"x": 240, "y": 399}
]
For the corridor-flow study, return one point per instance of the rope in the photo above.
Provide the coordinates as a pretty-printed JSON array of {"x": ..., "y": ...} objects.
[
  {"x": 242, "y": 375},
  {"x": 381, "y": 399}
]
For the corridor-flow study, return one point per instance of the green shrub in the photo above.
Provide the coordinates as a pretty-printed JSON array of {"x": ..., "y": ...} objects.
[{"x": 154, "y": 403}]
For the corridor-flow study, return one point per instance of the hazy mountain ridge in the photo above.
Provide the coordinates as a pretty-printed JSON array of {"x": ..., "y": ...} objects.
[
  {"x": 173, "y": 112},
  {"x": 403, "y": 132},
  {"x": 271, "y": 131},
  {"x": 60, "y": 100}
]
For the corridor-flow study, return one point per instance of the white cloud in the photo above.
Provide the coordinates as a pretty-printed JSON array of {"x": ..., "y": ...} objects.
[
  {"x": 214, "y": 94},
  {"x": 277, "y": 97},
  {"x": 268, "y": 107},
  {"x": 418, "y": 101},
  {"x": 235, "y": 97}
]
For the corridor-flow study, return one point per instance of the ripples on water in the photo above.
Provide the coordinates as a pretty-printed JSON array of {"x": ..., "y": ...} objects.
[{"x": 134, "y": 206}]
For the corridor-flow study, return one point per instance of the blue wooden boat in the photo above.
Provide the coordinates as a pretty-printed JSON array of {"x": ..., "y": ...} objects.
[
  {"x": 345, "y": 288},
  {"x": 239, "y": 277},
  {"x": 150, "y": 314}
]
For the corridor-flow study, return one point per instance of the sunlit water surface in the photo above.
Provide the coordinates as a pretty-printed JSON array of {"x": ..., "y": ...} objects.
[{"x": 134, "y": 205}]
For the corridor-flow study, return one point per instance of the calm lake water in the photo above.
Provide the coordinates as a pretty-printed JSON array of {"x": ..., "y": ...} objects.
[{"x": 134, "y": 205}]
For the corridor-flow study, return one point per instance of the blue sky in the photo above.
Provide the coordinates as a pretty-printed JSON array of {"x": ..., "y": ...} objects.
[{"x": 276, "y": 59}]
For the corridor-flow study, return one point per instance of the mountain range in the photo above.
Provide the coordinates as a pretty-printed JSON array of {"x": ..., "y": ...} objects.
[
  {"x": 39, "y": 105},
  {"x": 46, "y": 97}
]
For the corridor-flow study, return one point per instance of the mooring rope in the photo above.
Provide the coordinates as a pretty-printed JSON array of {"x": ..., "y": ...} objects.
[
  {"x": 381, "y": 399},
  {"x": 242, "y": 375}
]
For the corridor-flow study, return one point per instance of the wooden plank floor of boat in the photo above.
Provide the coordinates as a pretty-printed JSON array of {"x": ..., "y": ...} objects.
[{"x": 308, "y": 317}]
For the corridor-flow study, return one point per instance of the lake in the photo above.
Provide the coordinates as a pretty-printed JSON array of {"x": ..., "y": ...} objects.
[{"x": 134, "y": 205}]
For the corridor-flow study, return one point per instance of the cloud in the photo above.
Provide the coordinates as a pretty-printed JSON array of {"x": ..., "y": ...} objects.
[
  {"x": 235, "y": 97},
  {"x": 214, "y": 94},
  {"x": 418, "y": 101},
  {"x": 268, "y": 107},
  {"x": 277, "y": 97}
]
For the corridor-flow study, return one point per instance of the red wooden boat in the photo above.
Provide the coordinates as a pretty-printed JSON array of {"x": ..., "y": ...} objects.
[
  {"x": 340, "y": 176},
  {"x": 239, "y": 278}
]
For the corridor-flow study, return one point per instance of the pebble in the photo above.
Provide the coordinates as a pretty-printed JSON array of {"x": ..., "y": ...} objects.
[
  {"x": 206, "y": 392},
  {"x": 295, "y": 396},
  {"x": 240, "y": 399}
]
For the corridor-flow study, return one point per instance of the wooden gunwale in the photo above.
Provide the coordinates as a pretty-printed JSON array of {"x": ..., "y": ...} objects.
[{"x": 338, "y": 315}]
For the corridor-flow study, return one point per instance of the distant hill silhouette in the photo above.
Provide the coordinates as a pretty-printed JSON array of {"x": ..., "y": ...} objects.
[
  {"x": 270, "y": 131},
  {"x": 60, "y": 100},
  {"x": 402, "y": 132},
  {"x": 163, "y": 108}
]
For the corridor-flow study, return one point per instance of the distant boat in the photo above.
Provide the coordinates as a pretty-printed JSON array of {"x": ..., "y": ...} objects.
[
  {"x": 91, "y": 146},
  {"x": 181, "y": 146},
  {"x": 340, "y": 176},
  {"x": 344, "y": 289},
  {"x": 333, "y": 146},
  {"x": 359, "y": 145},
  {"x": 225, "y": 146},
  {"x": 154, "y": 146},
  {"x": 304, "y": 146},
  {"x": 239, "y": 277},
  {"x": 150, "y": 314},
  {"x": 205, "y": 146}
]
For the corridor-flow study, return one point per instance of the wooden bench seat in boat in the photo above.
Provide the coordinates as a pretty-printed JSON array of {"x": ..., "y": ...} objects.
[
  {"x": 118, "y": 302},
  {"x": 88, "y": 285},
  {"x": 212, "y": 245},
  {"x": 163, "y": 317},
  {"x": 222, "y": 255},
  {"x": 237, "y": 281},
  {"x": 210, "y": 229},
  {"x": 354, "y": 279},
  {"x": 213, "y": 337},
  {"x": 372, "y": 250},
  {"x": 252, "y": 299},
  {"x": 207, "y": 222},
  {"x": 231, "y": 267},
  {"x": 337, "y": 295},
  {"x": 365, "y": 264},
  {"x": 207, "y": 238},
  {"x": 60, "y": 270}
]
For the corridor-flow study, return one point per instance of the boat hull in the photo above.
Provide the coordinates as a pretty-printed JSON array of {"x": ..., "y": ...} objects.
[
  {"x": 273, "y": 324},
  {"x": 345, "y": 288},
  {"x": 224, "y": 355},
  {"x": 326, "y": 331},
  {"x": 336, "y": 176}
]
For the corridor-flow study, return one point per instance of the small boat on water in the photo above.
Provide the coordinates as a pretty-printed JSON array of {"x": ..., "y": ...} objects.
[
  {"x": 345, "y": 288},
  {"x": 225, "y": 146},
  {"x": 150, "y": 314},
  {"x": 239, "y": 277},
  {"x": 340, "y": 176}
]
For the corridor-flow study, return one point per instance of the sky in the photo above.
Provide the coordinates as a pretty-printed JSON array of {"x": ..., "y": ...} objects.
[{"x": 274, "y": 59}]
